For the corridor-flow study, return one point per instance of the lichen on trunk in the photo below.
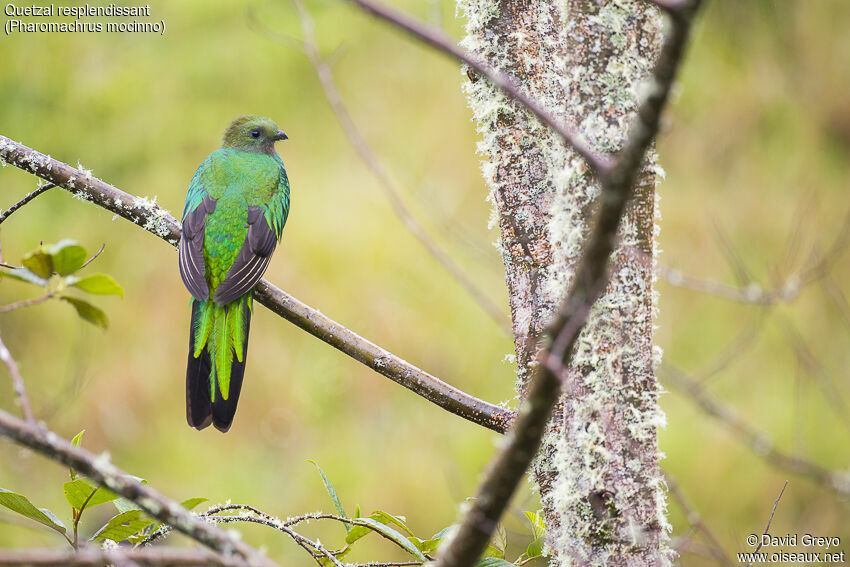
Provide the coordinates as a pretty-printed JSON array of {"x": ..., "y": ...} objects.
[{"x": 586, "y": 60}]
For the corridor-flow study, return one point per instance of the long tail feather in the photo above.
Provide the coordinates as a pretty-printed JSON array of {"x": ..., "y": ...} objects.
[
  {"x": 218, "y": 349},
  {"x": 198, "y": 370}
]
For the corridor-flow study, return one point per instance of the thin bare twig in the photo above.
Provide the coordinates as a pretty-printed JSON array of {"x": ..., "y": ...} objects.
[
  {"x": 391, "y": 190},
  {"x": 304, "y": 542},
  {"x": 697, "y": 524},
  {"x": 26, "y": 302},
  {"x": 29, "y": 197},
  {"x": 754, "y": 293},
  {"x": 18, "y": 383},
  {"x": 760, "y": 443},
  {"x": 770, "y": 520},
  {"x": 837, "y": 296},
  {"x": 736, "y": 347},
  {"x": 815, "y": 369},
  {"x": 96, "y": 254},
  {"x": 263, "y": 518},
  {"x": 443, "y": 43},
  {"x": 104, "y": 473},
  {"x": 147, "y": 214}
]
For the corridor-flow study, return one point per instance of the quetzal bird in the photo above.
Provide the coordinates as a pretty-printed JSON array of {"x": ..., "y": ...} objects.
[{"x": 236, "y": 206}]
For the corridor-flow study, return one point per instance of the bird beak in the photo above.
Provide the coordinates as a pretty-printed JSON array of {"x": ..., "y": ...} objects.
[{"x": 281, "y": 135}]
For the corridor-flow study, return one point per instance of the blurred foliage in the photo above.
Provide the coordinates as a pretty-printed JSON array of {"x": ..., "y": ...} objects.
[
  {"x": 132, "y": 526},
  {"x": 756, "y": 149},
  {"x": 52, "y": 267}
]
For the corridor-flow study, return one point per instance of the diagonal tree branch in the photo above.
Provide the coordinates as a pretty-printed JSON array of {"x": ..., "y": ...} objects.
[
  {"x": 17, "y": 382},
  {"x": 443, "y": 43},
  {"x": 104, "y": 473},
  {"x": 760, "y": 443},
  {"x": 147, "y": 214},
  {"x": 694, "y": 518},
  {"x": 391, "y": 190},
  {"x": 96, "y": 557}
]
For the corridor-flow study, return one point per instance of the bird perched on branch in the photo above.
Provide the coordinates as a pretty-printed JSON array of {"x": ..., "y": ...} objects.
[{"x": 236, "y": 206}]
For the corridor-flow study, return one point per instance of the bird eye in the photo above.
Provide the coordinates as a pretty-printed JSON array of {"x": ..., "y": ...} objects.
[{"x": 255, "y": 133}]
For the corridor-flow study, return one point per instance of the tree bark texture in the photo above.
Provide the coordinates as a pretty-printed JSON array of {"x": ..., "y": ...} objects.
[{"x": 598, "y": 473}]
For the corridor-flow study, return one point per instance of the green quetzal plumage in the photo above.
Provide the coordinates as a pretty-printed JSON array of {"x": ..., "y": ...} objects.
[{"x": 233, "y": 218}]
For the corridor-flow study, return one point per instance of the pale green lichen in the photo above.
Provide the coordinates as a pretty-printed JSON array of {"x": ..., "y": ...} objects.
[{"x": 155, "y": 217}]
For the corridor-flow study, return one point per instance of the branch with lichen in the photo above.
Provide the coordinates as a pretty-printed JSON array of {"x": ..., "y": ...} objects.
[
  {"x": 121, "y": 556},
  {"x": 147, "y": 214},
  {"x": 104, "y": 473},
  {"x": 235, "y": 513}
]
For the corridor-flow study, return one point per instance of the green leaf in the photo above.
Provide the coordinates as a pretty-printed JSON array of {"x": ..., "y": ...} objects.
[
  {"x": 493, "y": 551},
  {"x": 329, "y": 487},
  {"x": 431, "y": 545},
  {"x": 382, "y": 517},
  {"x": 538, "y": 525},
  {"x": 89, "y": 312},
  {"x": 388, "y": 519},
  {"x": 500, "y": 539},
  {"x": 24, "y": 275},
  {"x": 386, "y": 531},
  {"x": 192, "y": 502},
  {"x": 101, "y": 284},
  {"x": 493, "y": 562},
  {"x": 68, "y": 257},
  {"x": 535, "y": 548},
  {"x": 123, "y": 526},
  {"x": 78, "y": 438},
  {"x": 21, "y": 504},
  {"x": 38, "y": 262},
  {"x": 338, "y": 554},
  {"x": 82, "y": 493},
  {"x": 124, "y": 505},
  {"x": 141, "y": 535}
]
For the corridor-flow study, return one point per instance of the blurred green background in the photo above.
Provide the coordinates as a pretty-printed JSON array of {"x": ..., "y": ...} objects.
[{"x": 756, "y": 149}]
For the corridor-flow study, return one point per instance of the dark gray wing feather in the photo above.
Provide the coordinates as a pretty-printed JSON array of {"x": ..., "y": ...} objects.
[
  {"x": 191, "y": 250},
  {"x": 252, "y": 260}
]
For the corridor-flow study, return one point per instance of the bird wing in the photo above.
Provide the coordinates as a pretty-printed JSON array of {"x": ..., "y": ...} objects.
[
  {"x": 252, "y": 260},
  {"x": 191, "y": 248}
]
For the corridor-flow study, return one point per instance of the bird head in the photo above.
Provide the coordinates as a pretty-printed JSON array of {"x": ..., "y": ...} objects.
[{"x": 252, "y": 133}]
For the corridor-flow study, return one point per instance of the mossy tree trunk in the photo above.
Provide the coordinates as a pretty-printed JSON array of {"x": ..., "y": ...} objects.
[{"x": 598, "y": 473}]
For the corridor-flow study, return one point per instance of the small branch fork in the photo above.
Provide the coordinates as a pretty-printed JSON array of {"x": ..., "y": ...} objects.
[
  {"x": 29, "y": 197},
  {"x": 250, "y": 514},
  {"x": 789, "y": 290},
  {"x": 101, "y": 471},
  {"x": 150, "y": 216},
  {"x": 437, "y": 39}
]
